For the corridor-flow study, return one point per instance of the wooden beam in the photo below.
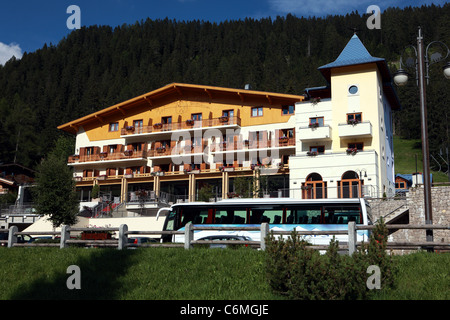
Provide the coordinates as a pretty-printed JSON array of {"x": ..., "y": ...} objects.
[
  {"x": 149, "y": 101},
  {"x": 268, "y": 98},
  {"x": 121, "y": 111},
  {"x": 209, "y": 93},
  {"x": 74, "y": 127},
  {"x": 178, "y": 90},
  {"x": 241, "y": 96},
  {"x": 99, "y": 119}
]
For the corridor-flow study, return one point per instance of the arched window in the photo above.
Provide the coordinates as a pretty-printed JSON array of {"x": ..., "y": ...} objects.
[
  {"x": 350, "y": 185},
  {"x": 314, "y": 187}
]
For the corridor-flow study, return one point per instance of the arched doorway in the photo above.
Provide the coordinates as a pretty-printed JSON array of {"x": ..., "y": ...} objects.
[
  {"x": 350, "y": 185},
  {"x": 314, "y": 187}
]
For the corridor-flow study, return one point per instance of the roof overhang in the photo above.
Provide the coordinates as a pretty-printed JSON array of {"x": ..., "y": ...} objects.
[{"x": 178, "y": 91}]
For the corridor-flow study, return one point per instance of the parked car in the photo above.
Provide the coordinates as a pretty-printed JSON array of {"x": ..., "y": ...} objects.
[
  {"x": 4, "y": 236},
  {"x": 136, "y": 241},
  {"x": 222, "y": 237}
]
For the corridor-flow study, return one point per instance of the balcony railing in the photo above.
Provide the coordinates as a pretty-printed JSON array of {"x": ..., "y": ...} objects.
[
  {"x": 356, "y": 129},
  {"x": 220, "y": 169},
  {"x": 183, "y": 125},
  {"x": 174, "y": 151},
  {"x": 105, "y": 156},
  {"x": 315, "y": 133},
  {"x": 252, "y": 144}
]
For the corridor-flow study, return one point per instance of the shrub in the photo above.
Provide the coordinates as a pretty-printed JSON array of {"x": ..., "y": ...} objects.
[{"x": 298, "y": 272}]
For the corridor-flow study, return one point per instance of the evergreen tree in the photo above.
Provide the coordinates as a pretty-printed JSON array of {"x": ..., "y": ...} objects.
[{"x": 55, "y": 194}]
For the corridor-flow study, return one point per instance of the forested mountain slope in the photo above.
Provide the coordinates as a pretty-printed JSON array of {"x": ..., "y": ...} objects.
[{"x": 98, "y": 66}]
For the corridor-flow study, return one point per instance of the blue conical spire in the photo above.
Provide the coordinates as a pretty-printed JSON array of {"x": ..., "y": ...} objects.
[{"x": 354, "y": 53}]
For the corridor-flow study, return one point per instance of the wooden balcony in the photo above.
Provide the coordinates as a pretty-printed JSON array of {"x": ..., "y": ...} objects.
[
  {"x": 254, "y": 144},
  {"x": 183, "y": 125},
  {"x": 104, "y": 156},
  {"x": 184, "y": 172},
  {"x": 174, "y": 151}
]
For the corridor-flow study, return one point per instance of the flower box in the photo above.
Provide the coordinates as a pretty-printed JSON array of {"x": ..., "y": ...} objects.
[
  {"x": 352, "y": 151},
  {"x": 352, "y": 122},
  {"x": 95, "y": 235},
  {"x": 129, "y": 128},
  {"x": 314, "y": 125},
  {"x": 157, "y": 125},
  {"x": 128, "y": 152},
  {"x": 161, "y": 149},
  {"x": 315, "y": 100},
  {"x": 190, "y": 122},
  {"x": 103, "y": 154},
  {"x": 223, "y": 119},
  {"x": 312, "y": 153}
]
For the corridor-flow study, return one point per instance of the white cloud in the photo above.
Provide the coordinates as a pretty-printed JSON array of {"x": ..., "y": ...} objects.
[{"x": 8, "y": 51}]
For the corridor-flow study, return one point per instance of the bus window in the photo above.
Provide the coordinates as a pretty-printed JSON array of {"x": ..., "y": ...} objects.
[
  {"x": 194, "y": 215},
  {"x": 230, "y": 216},
  {"x": 170, "y": 221},
  {"x": 304, "y": 215},
  {"x": 269, "y": 215},
  {"x": 342, "y": 215}
]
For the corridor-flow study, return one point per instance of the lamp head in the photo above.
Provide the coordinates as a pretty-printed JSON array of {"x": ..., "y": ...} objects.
[
  {"x": 401, "y": 77},
  {"x": 447, "y": 70}
]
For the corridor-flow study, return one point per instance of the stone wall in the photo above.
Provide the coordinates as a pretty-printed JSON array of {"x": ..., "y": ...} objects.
[{"x": 440, "y": 201}]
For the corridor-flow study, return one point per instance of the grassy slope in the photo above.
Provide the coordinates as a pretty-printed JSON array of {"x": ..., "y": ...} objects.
[
  {"x": 177, "y": 274},
  {"x": 405, "y": 158}
]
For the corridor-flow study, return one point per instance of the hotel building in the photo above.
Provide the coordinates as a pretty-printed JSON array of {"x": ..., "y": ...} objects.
[{"x": 331, "y": 141}]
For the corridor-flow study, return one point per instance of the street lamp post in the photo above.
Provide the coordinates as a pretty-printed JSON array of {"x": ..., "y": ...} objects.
[{"x": 400, "y": 78}]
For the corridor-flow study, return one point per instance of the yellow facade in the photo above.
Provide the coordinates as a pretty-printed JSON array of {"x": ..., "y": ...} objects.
[
  {"x": 182, "y": 110},
  {"x": 366, "y": 102}
]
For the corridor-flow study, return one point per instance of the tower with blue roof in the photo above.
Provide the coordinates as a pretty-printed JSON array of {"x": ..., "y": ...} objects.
[{"x": 345, "y": 129}]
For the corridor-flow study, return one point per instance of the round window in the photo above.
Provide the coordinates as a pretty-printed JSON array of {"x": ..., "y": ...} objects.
[{"x": 353, "y": 90}]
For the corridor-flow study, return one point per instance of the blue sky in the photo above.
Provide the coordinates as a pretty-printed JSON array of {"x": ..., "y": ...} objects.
[{"x": 27, "y": 25}]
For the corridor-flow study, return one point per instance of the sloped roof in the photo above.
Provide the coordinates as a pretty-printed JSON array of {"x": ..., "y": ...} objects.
[
  {"x": 177, "y": 90},
  {"x": 355, "y": 53}
]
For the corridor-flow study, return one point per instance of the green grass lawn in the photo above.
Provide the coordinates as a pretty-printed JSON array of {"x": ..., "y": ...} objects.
[
  {"x": 178, "y": 274},
  {"x": 406, "y": 152}
]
